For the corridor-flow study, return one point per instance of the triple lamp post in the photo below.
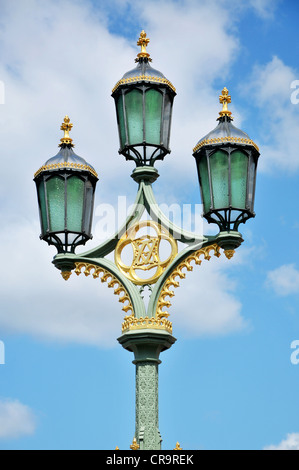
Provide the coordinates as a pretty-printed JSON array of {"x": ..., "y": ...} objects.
[{"x": 226, "y": 161}]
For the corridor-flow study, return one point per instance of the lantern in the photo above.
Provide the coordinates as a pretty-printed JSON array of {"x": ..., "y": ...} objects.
[
  {"x": 65, "y": 189},
  {"x": 226, "y": 160},
  {"x": 144, "y": 100}
]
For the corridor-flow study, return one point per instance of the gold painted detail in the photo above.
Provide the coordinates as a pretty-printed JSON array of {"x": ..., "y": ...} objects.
[
  {"x": 143, "y": 43},
  {"x": 132, "y": 323},
  {"x": 172, "y": 281},
  {"x": 177, "y": 447},
  {"x": 66, "y": 126},
  {"x": 134, "y": 445},
  {"x": 66, "y": 274},
  {"x": 219, "y": 140},
  {"x": 144, "y": 78},
  {"x": 112, "y": 281},
  {"x": 146, "y": 252},
  {"x": 57, "y": 166},
  {"x": 229, "y": 253},
  {"x": 224, "y": 99}
]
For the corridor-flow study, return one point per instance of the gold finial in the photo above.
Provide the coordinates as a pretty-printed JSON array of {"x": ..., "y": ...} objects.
[
  {"x": 224, "y": 99},
  {"x": 177, "y": 447},
  {"x": 66, "y": 126},
  {"x": 134, "y": 445},
  {"x": 143, "y": 42},
  {"x": 66, "y": 274}
]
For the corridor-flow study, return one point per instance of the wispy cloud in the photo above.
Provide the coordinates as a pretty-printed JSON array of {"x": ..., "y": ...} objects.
[
  {"x": 270, "y": 87},
  {"x": 16, "y": 419},
  {"x": 290, "y": 443},
  {"x": 284, "y": 280}
]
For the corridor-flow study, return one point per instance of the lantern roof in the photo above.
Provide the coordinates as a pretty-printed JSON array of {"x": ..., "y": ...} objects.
[
  {"x": 143, "y": 72},
  {"x": 66, "y": 157},
  {"x": 225, "y": 131}
]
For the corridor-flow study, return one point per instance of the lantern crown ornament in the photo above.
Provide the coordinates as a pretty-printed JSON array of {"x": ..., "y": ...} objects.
[
  {"x": 65, "y": 188},
  {"x": 226, "y": 160},
  {"x": 144, "y": 100}
]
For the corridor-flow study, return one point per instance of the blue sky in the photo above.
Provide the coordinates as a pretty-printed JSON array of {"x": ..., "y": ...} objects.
[{"x": 228, "y": 382}]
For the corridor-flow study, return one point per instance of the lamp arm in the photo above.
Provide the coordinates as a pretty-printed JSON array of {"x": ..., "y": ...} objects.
[
  {"x": 158, "y": 216},
  {"x": 109, "y": 245},
  {"x": 106, "y": 271},
  {"x": 190, "y": 253}
]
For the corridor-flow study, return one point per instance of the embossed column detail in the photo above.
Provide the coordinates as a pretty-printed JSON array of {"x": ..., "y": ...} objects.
[
  {"x": 147, "y": 405},
  {"x": 147, "y": 344}
]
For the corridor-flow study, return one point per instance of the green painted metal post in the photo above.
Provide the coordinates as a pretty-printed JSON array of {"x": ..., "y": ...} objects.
[{"x": 147, "y": 346}]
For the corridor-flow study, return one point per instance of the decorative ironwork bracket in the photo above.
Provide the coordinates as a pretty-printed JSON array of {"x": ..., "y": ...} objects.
[{"x": 124, "y": 280}]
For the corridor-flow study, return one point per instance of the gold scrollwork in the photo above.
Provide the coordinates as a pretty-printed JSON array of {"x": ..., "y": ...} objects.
[
  {"x": 144, "y": 78},
  {"x": 146, "y": 255},
  {"x": 112, "y": 281},
  {"x": 219, "y": 140},
  {"x": 172, "y": 281},
  {"x": 132, "y": 323}
]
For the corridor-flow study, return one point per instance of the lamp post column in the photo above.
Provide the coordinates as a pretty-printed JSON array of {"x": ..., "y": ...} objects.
[{"x": 147, "y": 345}]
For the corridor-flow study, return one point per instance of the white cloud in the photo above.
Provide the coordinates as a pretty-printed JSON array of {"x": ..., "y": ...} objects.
[
  {"x": 284, "y": 280},
  {"x": 206, "y": 302},
  {"x": 270, "y": 88},
  {"x": 36, "y": 300},
  {"x": 16, "y": 419},
  {"x": 290, "y": 443},
  {"x": 60, "y": 58},
  {"x": 264, "y": 8}
]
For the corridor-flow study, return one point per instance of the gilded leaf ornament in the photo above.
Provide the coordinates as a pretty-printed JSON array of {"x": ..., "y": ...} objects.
[
  {"x": 112, "y": 281},
  {"x": 173, "y": 279}
]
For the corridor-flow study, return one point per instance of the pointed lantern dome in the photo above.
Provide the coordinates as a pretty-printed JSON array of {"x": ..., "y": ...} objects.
[
  {"x": 144, "y": 100},
  {"x": 65, "y": 189},
  {"x": 226, "y": 161}
]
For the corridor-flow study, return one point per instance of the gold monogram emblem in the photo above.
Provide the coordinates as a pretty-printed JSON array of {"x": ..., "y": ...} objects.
[{"x": 146, "y": 252}]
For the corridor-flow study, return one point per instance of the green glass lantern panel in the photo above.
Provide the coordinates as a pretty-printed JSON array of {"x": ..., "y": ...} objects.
[
  {"x": 134, "y": 115},
  {"x": 43, "y": 207},
  {"x": 75, "y": 197},
  {"x": 251, "y": 183},
  {"x": 205, "y": 185},
  {"x": 166, "y": 120},
  {"x": 239, "y": 168},
  {"x": 121, "y": 120},
  {"x": 153, "y": 115},
  {"x": 88, "y": 207},
  {"x": 219, "y": 177},
  {"x": 56, "y": 203}
]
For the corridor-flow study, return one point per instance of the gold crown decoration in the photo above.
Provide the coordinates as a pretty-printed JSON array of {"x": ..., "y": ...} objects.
[
  {"x": 224, "y": 99},
  {"x": 66, "y": 126},
  {"x": 134, "y": 445},
  {"x": 143, "y": 42}
]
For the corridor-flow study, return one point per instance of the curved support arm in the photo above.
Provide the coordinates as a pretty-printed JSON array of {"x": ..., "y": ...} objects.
[
  {"x": 109, "y": 245},
  {"x": 179, "y": 261},
  {"x": 126, "y": 290},
  {"x": 177, "y": 232},
  {"x": 183, "y": 261}
]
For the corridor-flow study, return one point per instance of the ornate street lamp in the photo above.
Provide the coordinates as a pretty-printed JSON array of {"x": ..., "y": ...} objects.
[
  {"x": 65, "y": 187},
  {"x": 226, "y": 161},
  {"x": 143, "y": 100}
]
